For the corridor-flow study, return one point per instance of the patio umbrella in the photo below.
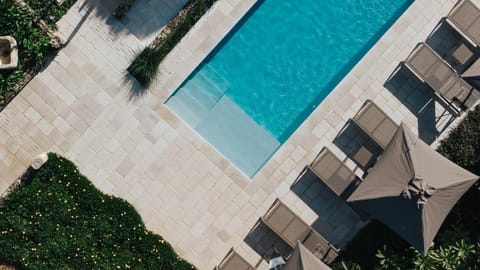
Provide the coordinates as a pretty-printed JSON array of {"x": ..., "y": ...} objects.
[
  {"x": 303, "y": 259},
  {"x": 412, "y": 188}
]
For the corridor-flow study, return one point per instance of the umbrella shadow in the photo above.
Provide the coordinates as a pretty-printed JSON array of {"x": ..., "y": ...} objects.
[
  {"x": 144, "y": 19},
  {"x": 102, "y": 10}
]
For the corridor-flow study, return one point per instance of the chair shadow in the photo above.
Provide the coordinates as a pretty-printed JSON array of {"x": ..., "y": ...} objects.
[
  {"x": 444, "y": 39},
  {"x": 433, "y": 114},
  {"x": 351, "y": 138},
  {"x": 262, "y": 239}
]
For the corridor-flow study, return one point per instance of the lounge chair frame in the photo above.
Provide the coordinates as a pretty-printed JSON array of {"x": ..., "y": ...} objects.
[
  {"x": 233, "y": 261},
  {"x": 334, "y": 173},
  {"x": 291, "y": 228},
  {"x": 375, "y": 123},
  {"x": 464, "y": 17},
  {"x": 440, "y": 76}
]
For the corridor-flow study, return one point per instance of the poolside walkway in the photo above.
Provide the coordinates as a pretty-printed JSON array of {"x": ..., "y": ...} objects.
[{"x": 79, "y": 106}]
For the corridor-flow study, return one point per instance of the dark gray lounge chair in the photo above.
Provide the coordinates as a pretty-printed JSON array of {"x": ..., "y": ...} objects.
[
  {"x": 465, "y": 17},
  {"x": 430, "y": 68},
  {"x": 291, "y": 228},
  {"x": 334, "y": 173},
  {"x": 233, "y": 261}
]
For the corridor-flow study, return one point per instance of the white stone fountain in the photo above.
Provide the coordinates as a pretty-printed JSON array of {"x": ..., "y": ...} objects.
[{"x": 8, "y": 52}]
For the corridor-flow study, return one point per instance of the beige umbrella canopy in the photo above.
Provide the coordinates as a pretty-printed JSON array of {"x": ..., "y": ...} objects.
[
  {"x": 303, "y": 259},
  {"x": 412, "y": 188}
]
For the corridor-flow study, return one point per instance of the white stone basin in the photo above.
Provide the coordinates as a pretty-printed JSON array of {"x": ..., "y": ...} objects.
[{"x": 10, "y": 60}]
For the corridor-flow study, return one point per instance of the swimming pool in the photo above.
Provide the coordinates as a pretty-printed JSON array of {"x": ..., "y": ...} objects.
[{"x": 272, "y": 70}]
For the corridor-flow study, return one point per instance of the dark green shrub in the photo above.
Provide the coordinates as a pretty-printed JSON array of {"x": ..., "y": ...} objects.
[
  {"x": 145, "y": 66},
  {"x": 56, "y": 219},
  {"x": 463, "y": 143},
  {"x": 463, "y": 147}
]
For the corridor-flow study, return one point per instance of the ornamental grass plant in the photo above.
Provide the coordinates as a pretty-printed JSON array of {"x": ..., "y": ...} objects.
[{"x": 144, "y": 67}]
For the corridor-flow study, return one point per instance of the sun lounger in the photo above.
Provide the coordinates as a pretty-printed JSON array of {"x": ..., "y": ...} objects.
[
  {"x": 376, "y": 123},
  {"x": 465, "y": 17},
  {"x": 378, "y": 126},
  {"x": 233, "y": 261},
  {"x": 334, "y": 173},
  {"x": 291, "y": 228},
  {"x": 429, "y": 67}
]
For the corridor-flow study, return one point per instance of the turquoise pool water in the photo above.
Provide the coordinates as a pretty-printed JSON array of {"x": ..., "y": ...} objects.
[{"x": 264, "y": 79}]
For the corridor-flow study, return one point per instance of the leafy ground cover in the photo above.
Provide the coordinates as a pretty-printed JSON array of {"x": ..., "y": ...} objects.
[
  {"x": 144, "y": 67},
  {"x": 457, "y": 245},
  {"x": 33, "y": 45},
  {"x": 49, "y": 10},
  {"x": 57, "y": 219}
]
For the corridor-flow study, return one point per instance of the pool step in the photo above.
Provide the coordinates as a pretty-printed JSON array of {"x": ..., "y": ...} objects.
[
  {"x": 187, "y": 108},
  {"x": 197, "y": 97},
  {"x": 212, "y": 75},
  {"x": 204, "y": 90}
]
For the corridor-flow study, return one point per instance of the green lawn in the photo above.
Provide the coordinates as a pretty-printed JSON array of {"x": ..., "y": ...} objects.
[{"x": 56, "y": 219}]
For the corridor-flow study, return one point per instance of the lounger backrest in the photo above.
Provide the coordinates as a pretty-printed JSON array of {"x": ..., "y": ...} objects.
[
  {"x": 332, "y": 171},
  {"x": 233, "y": 261},
  {"x": 466, "y": 17},
  {"x": 286, "y": 224},
  {"x": 376, "y": 123},
  {"x": 425, "y": 63}
]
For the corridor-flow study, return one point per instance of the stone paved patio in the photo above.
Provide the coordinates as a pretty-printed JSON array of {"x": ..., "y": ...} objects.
[{"x": 79, "y": 107}]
